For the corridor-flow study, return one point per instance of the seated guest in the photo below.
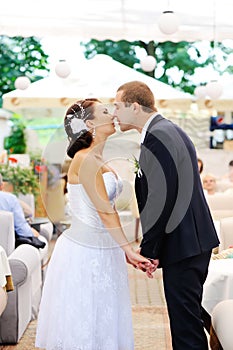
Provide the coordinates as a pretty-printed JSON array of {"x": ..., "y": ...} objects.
[
  {"x": 229, "y": 175},
  {"x": 209, "y": 184},
  {"x": 200, "y": 165},
  {"x": 67, "y": 202},
  {"x": 27, "y": 210},
  {"x": 230, "y": 171},
  {"x": 24, "y": 233}
]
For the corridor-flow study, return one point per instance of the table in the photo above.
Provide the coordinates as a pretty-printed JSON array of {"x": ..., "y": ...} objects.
[
  {"x": 36, "y": 222},
  {"x": 219, "y": 283}
]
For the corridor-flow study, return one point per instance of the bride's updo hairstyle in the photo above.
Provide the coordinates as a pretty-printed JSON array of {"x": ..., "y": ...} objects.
[{"x": 78, "y": 133}]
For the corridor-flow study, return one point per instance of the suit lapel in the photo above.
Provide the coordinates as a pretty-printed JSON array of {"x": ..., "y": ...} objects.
[
  {"x": 139, "y": 179},
  {"x": 154, "y": 121}
]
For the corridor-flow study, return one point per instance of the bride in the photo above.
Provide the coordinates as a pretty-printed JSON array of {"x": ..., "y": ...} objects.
[{"x": 85, "y": 302}]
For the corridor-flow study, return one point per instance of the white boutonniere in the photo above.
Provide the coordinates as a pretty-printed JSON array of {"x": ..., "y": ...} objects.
[{"x": 137, "y": 169}]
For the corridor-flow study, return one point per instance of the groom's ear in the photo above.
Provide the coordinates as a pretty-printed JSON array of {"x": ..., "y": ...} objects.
[{"x": 136, "y": 107}]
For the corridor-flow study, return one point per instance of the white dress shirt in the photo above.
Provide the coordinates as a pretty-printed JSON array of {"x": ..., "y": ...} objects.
[{"x": 145, "y": 127}]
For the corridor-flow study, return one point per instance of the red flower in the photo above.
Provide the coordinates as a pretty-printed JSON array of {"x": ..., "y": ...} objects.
[
  {"x": 12, "y": 160},
  {"x": 40, "y": 168}
]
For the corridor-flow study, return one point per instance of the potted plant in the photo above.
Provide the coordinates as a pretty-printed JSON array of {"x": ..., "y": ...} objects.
[{"x": 23, "y": 180}]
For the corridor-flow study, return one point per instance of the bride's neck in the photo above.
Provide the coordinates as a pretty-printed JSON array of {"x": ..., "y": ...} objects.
[{"x": 97, "y": 145}]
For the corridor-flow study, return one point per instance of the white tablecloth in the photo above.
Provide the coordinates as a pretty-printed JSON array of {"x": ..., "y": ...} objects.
[
  {"x": 5, "y": 272},
  {"x": 219, "y": 283}
]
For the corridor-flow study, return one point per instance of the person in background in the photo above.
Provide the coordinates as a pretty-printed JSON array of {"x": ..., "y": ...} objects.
[
  {"x": 200, "y": 165},
  {"x": 229, "y": 190},
  {"x": 68, "y": 211},
  {"x": 24, "y": 233},
  {"x": 230, "y": 171},
  {"x": 209, "y": 184},
  {"x": 27, "y": 210},
  {"x": 228, "y": 177}
]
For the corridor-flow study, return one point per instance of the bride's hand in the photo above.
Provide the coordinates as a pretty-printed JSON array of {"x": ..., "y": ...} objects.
[
  {"x": 137, "y": 260},
  {"x": 149, "y": 269}
]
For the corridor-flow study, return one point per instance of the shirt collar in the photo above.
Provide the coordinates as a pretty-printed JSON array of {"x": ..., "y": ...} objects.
[{"x": 145, "y": 127}]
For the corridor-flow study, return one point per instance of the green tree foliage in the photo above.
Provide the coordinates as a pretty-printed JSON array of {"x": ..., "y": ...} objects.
[
  {"x": 16, "y": 141},
  {"x": 20, "y": 56},
  {"x": 184, "y": 57}
]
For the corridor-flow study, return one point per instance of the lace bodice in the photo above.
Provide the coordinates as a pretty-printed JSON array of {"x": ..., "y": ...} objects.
[{"x": 86, "y": 223}]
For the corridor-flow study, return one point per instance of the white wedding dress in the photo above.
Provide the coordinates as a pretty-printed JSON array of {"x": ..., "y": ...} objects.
[{"x": 85, "y": 302}]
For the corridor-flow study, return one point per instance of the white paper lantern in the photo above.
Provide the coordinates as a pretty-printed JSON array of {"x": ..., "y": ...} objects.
[
  {"x": 200, "y": 92},
  {"x": 168, "y": 22},
  {"x": 148, "y": 63},
  {"x": 62, "y": 69},
  {"x": 22, "y": 83},
  {"x": 214, "y": 89}
]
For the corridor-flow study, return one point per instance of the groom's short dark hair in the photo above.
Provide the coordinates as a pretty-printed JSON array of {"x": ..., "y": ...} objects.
[{"x": 137, "y": 91}]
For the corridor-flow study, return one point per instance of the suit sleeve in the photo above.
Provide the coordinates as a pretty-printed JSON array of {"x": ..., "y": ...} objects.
[{"x": 159, "y": 168}]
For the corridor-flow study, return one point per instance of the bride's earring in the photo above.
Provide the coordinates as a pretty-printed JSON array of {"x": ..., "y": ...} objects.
[{"x": 93, "y": 133}]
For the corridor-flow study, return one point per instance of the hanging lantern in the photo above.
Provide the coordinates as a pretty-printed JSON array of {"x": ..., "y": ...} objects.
[
  {"x": 200, "y": 92},
  {"x": 168, "y": 22},
  {"x": 62, "y": 69},
  {"x": 22, "y": 83},
  {"x": 148, "y": 63},
  {"x": 214, "y": 89}
]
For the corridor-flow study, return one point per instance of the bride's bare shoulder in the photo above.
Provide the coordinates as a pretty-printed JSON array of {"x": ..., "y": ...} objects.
[
  {"x": 84, "y": 154},
  {"x": 82, "y": 164},
  {"x": 84, "y": 158}
]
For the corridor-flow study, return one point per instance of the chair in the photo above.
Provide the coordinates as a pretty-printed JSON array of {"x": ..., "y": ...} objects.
[
  {"x": 46, "y": 229},
  {"x": 222, "y": 319},
  {"x": 221, "y": 205},
  {"x": 226, "y": 233}
]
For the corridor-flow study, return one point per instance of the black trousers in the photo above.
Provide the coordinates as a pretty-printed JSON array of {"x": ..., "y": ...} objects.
[{"x": 183, "y": 287}]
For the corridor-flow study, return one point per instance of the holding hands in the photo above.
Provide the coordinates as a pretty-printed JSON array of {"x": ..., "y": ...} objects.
[{"x": 140, "y": 262}]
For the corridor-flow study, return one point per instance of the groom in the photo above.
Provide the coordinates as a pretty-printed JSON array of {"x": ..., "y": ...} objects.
[{"x": 178, "y": 231}]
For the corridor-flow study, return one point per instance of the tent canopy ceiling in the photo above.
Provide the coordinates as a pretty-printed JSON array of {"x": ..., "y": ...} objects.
[
  {"x": 117, "y": 19},
  {"x": 98, "y": 77}
]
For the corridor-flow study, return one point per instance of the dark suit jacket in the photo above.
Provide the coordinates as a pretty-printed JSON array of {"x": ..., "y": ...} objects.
[{"x": 175, "y": 218}]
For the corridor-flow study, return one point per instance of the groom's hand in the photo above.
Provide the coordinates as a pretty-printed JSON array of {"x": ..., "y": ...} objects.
[{"x": 149, "y": 268}]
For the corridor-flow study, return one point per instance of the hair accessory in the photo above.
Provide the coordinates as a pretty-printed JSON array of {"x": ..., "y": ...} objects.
[
  {"x": 74, "y": 122},
  {"x": 81, "y": 109},
  {"x": 77, "y": 125},
  {"x": 93, "y": 133}
]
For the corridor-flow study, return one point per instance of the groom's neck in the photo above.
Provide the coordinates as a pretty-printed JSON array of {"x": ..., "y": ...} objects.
[{"x": 144, "y": 119}]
